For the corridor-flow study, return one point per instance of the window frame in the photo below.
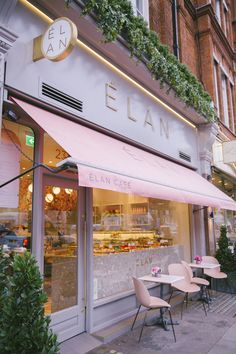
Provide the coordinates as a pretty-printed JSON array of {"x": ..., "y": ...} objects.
[
  {"x": 218, "y": 10},
  {"x": 145, "y": 9},
  {"x": 226, "y": 117}
]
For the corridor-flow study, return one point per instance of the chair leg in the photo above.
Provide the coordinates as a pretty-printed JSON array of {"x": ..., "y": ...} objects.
[
  {"x": 186, "y": 300},
  {"x": 209, "y": 295},
  {"x": 182, "y": 306},
  {"x": 135, "y": 317},
  {"x": 144, "y": 320},
  {"x": 172, "y": 325},
  {"x": 204, "y": 307},
  {"x": 170, "y": 295},
  {"x": 206, "y": 296}
]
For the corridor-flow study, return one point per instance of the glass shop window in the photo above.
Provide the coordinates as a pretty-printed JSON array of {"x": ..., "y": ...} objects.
[
  {"x": 16, "y": 156},
  {"x": 127, "y": 228}
]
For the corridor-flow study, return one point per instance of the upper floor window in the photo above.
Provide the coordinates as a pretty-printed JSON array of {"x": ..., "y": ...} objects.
[
  {"x": 232, "y": 107},
  {"x": 225, "y": 99},
  {"x": 226, "y": 19},
  {"x": 216, "y": 87},
  {"x": 218, "y": 12},
  {"x": 141, "y": 9}
]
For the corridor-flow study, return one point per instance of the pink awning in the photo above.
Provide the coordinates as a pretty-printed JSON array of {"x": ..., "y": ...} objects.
[{"x": 107, "y": 163}]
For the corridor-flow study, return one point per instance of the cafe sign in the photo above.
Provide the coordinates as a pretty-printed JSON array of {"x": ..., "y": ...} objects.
[
  {"x": 57, "y": 42},
  {"x": 229, "y": 151}
]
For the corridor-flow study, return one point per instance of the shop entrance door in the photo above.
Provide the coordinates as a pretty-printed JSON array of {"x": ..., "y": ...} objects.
[{"x": 63, "y": 259}]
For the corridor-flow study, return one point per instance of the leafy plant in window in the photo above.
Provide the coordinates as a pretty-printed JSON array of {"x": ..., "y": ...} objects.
[
  {"x": 24, "y": 328},
  {"x": 116, "y": 18}
]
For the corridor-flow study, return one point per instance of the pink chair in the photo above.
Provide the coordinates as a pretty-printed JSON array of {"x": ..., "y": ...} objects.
[
  {"x": 150, "y": 302},
  {"x": 214, "y": 273},
  {"x": 184, "y": 285},
  {"x": 203, "y": 283}
]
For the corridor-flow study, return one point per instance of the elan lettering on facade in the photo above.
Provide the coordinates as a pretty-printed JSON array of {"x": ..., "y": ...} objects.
[{"x": 147, "y": 120}]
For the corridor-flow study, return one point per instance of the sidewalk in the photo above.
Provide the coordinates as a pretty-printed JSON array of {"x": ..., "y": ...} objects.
[{"x": 196, "y": 333}]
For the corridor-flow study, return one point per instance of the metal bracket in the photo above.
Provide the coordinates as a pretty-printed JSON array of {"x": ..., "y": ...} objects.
[{"x": 53, "y": 170}]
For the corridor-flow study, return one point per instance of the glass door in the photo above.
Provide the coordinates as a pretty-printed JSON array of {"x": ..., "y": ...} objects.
[{"x": 62, "y": 279}]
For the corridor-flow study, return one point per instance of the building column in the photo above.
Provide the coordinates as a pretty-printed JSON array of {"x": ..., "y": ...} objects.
[
  {"x": 7, "y": 39},
  {"x": 206, "y": 137},
  {"x": 203, "y": 230}
]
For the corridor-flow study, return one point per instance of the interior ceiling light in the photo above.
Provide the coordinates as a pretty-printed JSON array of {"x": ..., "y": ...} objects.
[
  {"x": 30, "y": 187},
  {"x": 56, "y": 190},
  {"x": 68, "y": 190},
  {"x": 49, "y": 197}
]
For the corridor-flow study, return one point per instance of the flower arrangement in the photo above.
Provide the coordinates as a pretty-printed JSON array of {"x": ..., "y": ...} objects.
[
  {"x": 198, "y": 259},
  {"x": 156, "y": 271}
]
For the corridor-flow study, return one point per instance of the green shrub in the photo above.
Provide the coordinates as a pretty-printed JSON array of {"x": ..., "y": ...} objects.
[
  {"x": 24, "y": 327},
  {"x": 224, "y": 255}
]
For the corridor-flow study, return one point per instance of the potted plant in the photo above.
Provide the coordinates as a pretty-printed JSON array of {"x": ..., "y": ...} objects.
[
  {"x": 227, "y": 259},
  {"x": 23, "y": 326}
]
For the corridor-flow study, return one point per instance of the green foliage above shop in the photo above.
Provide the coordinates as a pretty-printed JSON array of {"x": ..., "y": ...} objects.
[
  {"x": 116, "y": 18},
  {"x": 23, "y": 326}
]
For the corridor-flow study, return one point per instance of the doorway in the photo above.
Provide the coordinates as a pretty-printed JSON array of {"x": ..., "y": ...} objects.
[{"x": 63, "y": 258}]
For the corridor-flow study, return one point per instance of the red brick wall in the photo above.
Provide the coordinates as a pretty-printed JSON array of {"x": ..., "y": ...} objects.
[
  {"x": 200, "y": 36},
  {"x": 161, "y": 20}
]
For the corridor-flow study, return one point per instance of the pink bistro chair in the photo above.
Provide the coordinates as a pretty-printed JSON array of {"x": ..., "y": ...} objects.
[
  {"x": 214, "y": 273},
  {"x": 184, "y": 285},
  {"x": 150, "y": 302},
  {"x": 203, "y": 283}
]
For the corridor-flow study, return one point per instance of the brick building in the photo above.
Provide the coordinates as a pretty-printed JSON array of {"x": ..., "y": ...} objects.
[{"x": 202, "y": 34}]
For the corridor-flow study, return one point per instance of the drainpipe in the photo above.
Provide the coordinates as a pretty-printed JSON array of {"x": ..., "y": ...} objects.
[{"x": 175, "y": 29}]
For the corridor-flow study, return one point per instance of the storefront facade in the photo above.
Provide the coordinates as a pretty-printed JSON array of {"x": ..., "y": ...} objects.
[
  {"x": 224, "y": 177},
  {"x": 91, "y": 237}
]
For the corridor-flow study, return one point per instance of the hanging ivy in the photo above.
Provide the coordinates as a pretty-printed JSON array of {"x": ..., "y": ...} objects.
[{"x": 116, "y": 18}]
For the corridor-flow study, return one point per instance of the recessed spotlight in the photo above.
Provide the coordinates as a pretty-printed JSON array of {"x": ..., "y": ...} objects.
[
  {"x": 49, "y": 197},
  {"x": 56, "y": 190},
  {"x": 30, "y": 187},
  {"x": 68, "y": 190}
]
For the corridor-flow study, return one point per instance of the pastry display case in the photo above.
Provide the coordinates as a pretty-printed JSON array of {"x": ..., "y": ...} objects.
[{"x": 127, "y": 241}]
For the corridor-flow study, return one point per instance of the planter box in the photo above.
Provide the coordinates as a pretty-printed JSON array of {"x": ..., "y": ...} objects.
[{"x": 226, "y": 285}]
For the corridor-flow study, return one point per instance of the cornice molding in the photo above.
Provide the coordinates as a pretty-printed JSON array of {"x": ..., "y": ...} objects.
[
  {"x": 7, "y": 39},
  {"x": 191, "y": 8},
  {"x": 208, "y": 10}
]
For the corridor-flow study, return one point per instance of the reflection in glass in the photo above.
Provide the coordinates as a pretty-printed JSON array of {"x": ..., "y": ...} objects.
[
  {"x": 60, "y": 249},
  {"x": 124, "y": 223},
  {"x": 131, "y": 234},
  {"x": 15, "y": 198}
]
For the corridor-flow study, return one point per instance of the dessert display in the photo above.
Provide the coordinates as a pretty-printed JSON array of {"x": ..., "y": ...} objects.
[{"x": 119, "y": 242}]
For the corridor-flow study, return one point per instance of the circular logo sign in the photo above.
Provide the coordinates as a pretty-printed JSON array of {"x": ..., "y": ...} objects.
[{"x": 59, "y": 39}]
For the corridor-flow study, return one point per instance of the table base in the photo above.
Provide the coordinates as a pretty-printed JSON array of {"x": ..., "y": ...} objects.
[{"x": 163, "y": 322}]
